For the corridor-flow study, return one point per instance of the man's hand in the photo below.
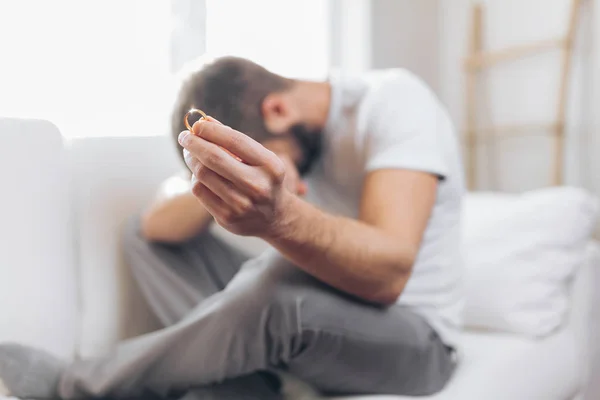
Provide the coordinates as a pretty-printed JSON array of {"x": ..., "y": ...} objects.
[
  {"x": 240, "y": 182},
  {"x": 370, "y": 258}
]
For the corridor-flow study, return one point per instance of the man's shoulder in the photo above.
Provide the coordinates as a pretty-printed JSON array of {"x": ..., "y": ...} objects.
[
  {"x": 395, "y": 78},
  {"x": 398, "y": 87}
]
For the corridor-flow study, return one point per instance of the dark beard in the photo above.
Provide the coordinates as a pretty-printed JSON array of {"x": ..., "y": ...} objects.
[{"x": 311, "y": 146}]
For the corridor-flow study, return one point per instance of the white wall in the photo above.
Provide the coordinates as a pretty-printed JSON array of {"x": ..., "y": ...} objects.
[
  {"x": 594, "y": 168},
  {"x": 593, "y": 157}
]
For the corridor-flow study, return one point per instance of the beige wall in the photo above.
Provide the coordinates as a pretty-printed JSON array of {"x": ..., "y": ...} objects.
[{"x": 405, "y": 34}]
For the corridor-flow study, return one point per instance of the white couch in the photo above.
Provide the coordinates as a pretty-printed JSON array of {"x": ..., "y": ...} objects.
[{"x": 64, "y": 287}]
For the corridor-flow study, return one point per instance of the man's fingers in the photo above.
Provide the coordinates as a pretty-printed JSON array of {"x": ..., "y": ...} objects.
[
  {"x": 216, "y": 159},
  {"x": 213, "y": 203},
  {"x": 224, "y": 189},
  {"x": 209, "y": 118},
  {"x": 243, "y": 146}
]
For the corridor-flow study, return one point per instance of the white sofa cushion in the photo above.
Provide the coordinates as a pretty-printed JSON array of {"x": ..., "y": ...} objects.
[
  {"x": 501, "y": 366},
  {"x": 521, "y": 252},
  {"x": 38, "y": 288},
  {"x": 114, "y": 177}
]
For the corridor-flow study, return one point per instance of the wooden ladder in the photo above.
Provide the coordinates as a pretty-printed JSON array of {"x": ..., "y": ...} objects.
[{"x": 478, "y": 60}]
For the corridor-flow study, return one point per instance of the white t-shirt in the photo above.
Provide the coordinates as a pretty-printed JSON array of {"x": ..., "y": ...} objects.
[{"x": 391, "y": 119}]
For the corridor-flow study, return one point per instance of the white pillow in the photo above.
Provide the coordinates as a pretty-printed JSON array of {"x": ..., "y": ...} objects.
[
  {"x": 521, "y": 252},
  {"x": 38, "y": 279}
]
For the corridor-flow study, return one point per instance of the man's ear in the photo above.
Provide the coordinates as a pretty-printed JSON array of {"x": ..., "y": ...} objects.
[{"x": 276, "y": 112}]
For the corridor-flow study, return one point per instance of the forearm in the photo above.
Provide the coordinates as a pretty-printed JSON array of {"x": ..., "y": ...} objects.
[
  {"x": 347, "y": 254},
  {"x": 175, "y": 219}
]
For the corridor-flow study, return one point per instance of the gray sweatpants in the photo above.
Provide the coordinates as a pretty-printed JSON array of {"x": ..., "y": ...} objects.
[{"x": 226, "y": 320}]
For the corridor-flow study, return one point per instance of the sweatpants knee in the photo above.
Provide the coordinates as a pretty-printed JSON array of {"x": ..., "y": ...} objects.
[
  {"x": 265, "y": 309},
  {"x": 259, "y": 298}
]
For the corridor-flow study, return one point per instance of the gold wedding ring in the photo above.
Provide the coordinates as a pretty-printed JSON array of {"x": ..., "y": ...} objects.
[
  {"x": 187, "y": 115},
  {"x": 203, "y": 116}
]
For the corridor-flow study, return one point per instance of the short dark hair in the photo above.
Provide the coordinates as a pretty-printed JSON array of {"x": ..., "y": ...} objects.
[{"x": 230, "y": 89}]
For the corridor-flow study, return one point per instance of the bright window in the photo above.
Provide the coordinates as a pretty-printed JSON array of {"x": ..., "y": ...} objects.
[
  {"x": 103, "y": 67},
  {"x": 94, "y": 68},
  {"x": 287, "y": 37}
]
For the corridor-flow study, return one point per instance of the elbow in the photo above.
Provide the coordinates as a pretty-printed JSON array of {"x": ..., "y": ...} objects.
[
  {"x": 394, "y": 283},
  {"x": 390, "y": 294},
  {"x": 153, "y": 230},
  {"x": 149, "y": 231},
  {"x": 389, "y": 291}
]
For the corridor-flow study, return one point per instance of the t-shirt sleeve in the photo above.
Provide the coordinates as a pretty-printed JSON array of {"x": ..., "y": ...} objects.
[{"x": 404, "y": 129}]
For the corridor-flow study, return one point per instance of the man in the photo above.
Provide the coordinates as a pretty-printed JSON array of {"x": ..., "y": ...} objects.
[{"x": 360, "y": 291}]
